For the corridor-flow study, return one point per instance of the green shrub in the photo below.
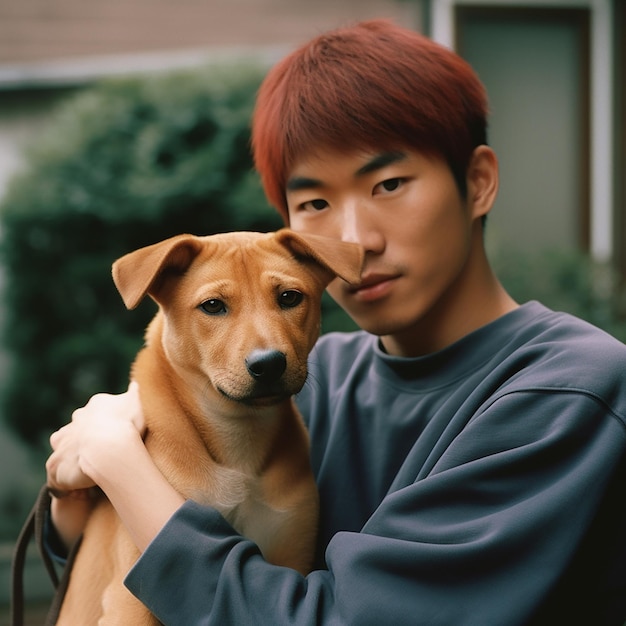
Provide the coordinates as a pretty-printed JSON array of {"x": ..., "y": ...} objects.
[
  {"x": 123, "y": 165},
  {"x": 565, "y": 280}
]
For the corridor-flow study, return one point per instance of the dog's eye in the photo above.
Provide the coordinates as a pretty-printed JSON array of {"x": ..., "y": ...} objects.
[
  {"x": 290, "y": 299},
  {"x": 213, "y": 307}
]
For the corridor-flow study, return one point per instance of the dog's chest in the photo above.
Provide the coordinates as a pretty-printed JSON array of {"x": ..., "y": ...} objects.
[
  {"x": 224, "y": 488},
  {"x": 239, "y": 497}
]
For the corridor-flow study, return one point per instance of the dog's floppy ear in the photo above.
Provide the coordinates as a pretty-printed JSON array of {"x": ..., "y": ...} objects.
[
  {"x": 341, "y": 258},
  {"x": 136, "y": 273}
]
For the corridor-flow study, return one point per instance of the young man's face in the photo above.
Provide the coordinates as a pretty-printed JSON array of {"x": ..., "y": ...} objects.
[{"x": 418, "y": 233}]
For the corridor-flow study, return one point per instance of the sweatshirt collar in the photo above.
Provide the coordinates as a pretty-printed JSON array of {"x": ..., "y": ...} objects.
[{"x": 463, "y": 357}]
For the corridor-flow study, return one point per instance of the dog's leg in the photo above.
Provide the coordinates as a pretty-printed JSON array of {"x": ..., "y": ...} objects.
[
  {"x": 91, "y": 571},
  {"x": 120, "y": 607},
  {"x": 96, "y": 594}
]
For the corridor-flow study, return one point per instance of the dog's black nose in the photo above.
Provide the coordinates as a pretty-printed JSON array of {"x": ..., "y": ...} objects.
[{"x": 266, "y": 366}]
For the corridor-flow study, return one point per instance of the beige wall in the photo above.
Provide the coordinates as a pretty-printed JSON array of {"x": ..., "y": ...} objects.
[
  {"x": 534, "y": 70},
  {"x": 49, "y": 44},
  {"x": 33, "y": 30}
]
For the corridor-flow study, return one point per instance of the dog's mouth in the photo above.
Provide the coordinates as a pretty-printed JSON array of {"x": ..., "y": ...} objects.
[
  {"x": 261, "y": 401},
  {"x": 257, "y": 399}
]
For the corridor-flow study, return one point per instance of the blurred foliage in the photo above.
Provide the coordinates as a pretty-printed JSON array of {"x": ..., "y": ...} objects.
[
  {"x": 124, "y": 164},
  {"x": 566, "y": 280}
]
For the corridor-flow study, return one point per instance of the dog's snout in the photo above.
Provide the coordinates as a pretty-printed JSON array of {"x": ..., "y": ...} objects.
[{"x": 266, "y": 365}]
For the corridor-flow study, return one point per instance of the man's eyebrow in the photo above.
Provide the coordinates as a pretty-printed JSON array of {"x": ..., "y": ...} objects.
[
  {"x": 381, "y": 160},
  {"x": 302, "y": 182},
  {"x": 377, "y": 162}
]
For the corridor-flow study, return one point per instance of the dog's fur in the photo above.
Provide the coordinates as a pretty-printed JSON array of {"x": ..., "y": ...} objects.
[{"x": 221, "y": 423}]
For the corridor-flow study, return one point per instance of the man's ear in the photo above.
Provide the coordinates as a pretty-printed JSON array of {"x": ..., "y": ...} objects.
[{"x": 482, "y": 181}]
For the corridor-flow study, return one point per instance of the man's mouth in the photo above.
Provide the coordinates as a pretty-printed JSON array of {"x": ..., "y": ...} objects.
[{"x": 373, "y": 287}]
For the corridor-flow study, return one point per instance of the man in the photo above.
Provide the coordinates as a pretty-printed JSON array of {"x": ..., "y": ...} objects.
[{"x": 470, "y": 452}]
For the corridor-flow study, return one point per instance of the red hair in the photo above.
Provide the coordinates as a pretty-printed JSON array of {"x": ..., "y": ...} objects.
[{"x": 373, "y": 85}]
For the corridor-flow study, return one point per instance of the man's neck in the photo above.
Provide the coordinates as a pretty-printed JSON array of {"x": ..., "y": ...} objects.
[{"x": 476, "y": 299}]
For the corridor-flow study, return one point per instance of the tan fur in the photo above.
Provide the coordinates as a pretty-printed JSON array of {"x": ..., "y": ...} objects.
[{"x": 219, "y": 436}]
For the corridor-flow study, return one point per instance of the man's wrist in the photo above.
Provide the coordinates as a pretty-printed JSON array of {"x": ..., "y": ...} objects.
[
  {"x": 107, "y": 460},
  {"x": 69, "y": 514}
]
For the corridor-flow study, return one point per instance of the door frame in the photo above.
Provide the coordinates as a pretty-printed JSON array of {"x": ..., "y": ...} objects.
[{"x": 602, "y": 218}]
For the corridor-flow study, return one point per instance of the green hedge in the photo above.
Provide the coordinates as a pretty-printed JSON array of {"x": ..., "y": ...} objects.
[
  {"x": 565, "y": 280},
  {"x": 122, "y": 165}
]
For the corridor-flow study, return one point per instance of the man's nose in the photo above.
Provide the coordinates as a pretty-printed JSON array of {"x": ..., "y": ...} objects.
[{"x": 360, "y": 224}]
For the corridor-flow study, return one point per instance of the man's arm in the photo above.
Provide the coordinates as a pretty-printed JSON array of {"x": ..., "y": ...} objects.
[{"x": 483, "y": 539}]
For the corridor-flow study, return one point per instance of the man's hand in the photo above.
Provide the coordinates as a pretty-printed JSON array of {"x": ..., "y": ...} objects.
[
  {"x": 95, "y": 437},
  {"x": 96, "y": 430},
  {"x": 103, "y": 445}
]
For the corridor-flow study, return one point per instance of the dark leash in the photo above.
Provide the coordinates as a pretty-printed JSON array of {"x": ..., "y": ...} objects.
[{"x": 34, "y": 527}]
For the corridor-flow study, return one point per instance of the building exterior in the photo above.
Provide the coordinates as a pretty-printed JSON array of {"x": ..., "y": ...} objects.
[
  {"x": 556, "y": 73},
  {"x": 49, "y": 48},
  {"x": 50, "y": 30}
]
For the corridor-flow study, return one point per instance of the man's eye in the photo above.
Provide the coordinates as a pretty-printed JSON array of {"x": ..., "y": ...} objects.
[
  {"x": 315, "y": 205},
  {"x": 213, "y": 307},
  {"x": 290, "y": 299},
  {"x": 391, "y": 184}
]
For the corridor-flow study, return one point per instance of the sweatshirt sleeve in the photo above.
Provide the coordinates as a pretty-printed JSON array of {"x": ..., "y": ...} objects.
[{"x": 481, "y": 536}]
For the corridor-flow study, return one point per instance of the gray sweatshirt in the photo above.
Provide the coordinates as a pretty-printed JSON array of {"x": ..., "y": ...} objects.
[{"x": 481, "y": 485}]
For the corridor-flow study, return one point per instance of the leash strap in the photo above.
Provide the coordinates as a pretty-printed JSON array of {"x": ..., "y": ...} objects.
[
  {"x": 57, "y": 601},
  {"x": 34, "y": 526},
  {"x": 17, "y": 570}
]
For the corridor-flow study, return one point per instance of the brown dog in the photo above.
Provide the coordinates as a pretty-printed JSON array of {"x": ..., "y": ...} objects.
[{"x": 238, "y": 315}]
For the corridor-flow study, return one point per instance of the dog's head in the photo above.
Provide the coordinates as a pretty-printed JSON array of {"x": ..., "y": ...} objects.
[{"x": 239, "y": 309}]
